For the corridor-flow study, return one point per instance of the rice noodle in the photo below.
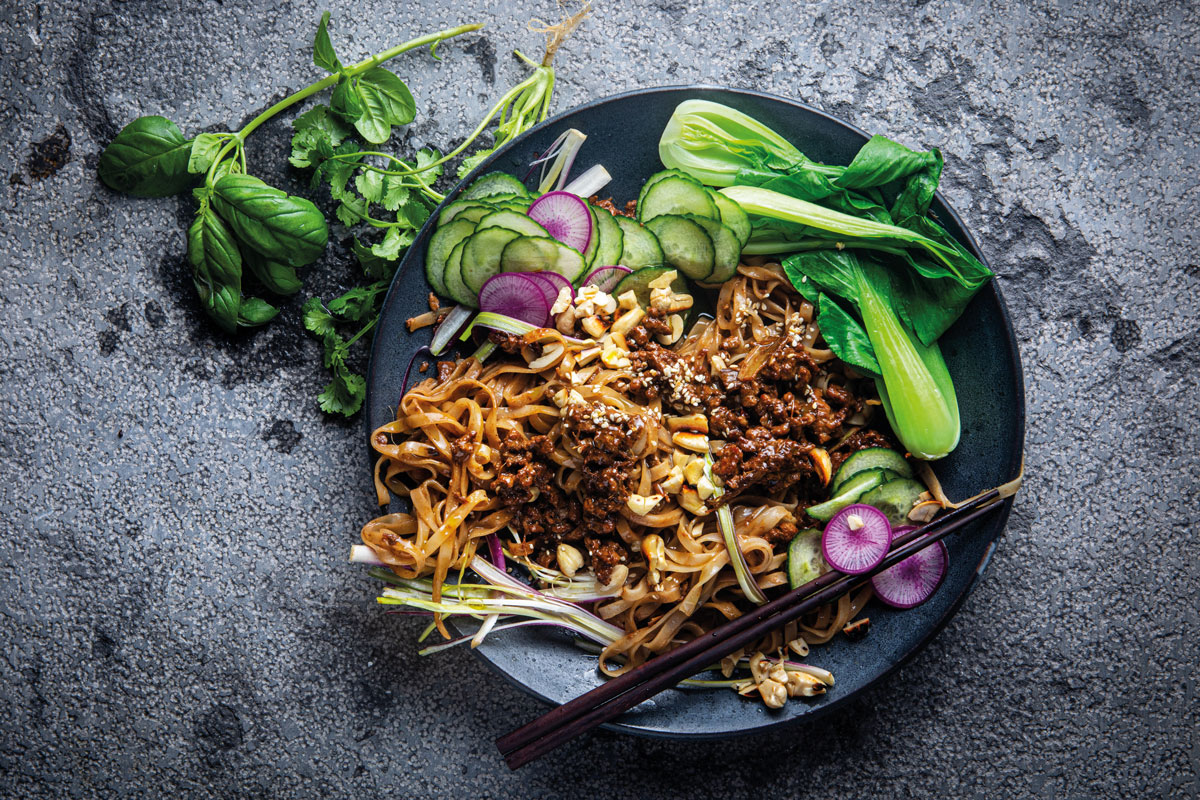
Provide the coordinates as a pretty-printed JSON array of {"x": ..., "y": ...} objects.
[{"x": 693, "y": 588}]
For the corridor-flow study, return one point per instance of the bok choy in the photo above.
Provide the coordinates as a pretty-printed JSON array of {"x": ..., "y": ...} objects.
[{"x": 912, "y": 379}]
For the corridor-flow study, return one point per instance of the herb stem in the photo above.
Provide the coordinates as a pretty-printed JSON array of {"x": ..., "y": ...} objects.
[
  {"x": 364, "y": 329},
  {"x": 330, "y": 80}
]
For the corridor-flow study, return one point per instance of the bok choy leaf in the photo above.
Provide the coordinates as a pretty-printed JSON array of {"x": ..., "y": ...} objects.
[{"x": 913, "y": 381}]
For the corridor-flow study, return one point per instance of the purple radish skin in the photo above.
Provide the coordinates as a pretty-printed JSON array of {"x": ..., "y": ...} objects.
[
  {"x": 565, "y": 216},
  {"x": 514, "y": 295},
  {"x": 606, "y": 278},
  {"x": 550, "y": 287},
  {"x": 856, "y": 539},
  {"x": 913, "y": 580}
]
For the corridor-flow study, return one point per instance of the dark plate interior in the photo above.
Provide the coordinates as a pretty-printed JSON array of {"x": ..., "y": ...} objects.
[{"x": 980, "y": 349}]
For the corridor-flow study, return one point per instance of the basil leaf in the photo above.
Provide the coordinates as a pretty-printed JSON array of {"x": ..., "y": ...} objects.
[
  {"x": 345, "y": 101},
  {"x": 268, "y": 220},
  {"x": 148, "y": 158},
  {"x": 323, "y": 53},
  {"x": 212, "y": 251},
  {"x": 846, "y": 337},
  {"x": 276, "y": 277},
  {"x": 254, "y": 312},
  {"x": 204, "y": 149},
  {"x": 220, "y": 303},
  {"x": 385, "y": 102}
]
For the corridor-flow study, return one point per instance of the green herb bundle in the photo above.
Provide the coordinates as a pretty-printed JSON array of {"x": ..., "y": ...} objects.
[
  {"x": 242, "y": 223},
  {"x": 384, "y": 198}
]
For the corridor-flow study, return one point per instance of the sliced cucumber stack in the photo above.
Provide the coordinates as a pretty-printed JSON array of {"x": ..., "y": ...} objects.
[
  {"x": 491, "y": 228},
  {"x": 612, "y": 239},
  {"x": 441, "y": 243}
]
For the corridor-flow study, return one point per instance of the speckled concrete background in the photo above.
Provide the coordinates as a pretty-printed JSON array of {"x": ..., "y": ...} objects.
[{"x": 175, "y": 614}]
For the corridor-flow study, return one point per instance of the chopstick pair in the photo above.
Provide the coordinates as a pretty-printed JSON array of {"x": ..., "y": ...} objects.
[{"x": 622, "y": 693}]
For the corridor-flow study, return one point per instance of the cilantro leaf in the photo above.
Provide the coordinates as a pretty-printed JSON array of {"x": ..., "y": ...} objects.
[
  {"x": 472, "y": 161},
  {"x": 351, "y": 210},
  {"x": 344, "y": 394},
  {"x": 393, "y": 243},
  {"x": 395, "y": 193},
  {"x": 370, "y": 185},
  {"x": 425, "y": 157},
  {"x": 316, "y": 318},
  {"x": 374, "y": 266},
  {"x": 359, "y": 302}
]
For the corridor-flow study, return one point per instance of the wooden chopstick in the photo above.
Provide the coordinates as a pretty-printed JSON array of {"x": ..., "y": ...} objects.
[{"x": 622, "y": 693}]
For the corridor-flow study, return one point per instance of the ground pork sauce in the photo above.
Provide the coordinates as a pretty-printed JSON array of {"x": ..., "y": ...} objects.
[{"x": 768, "y": 423}]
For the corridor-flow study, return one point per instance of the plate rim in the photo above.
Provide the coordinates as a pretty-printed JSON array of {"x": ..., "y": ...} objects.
[{"x": 997, "y": 523}]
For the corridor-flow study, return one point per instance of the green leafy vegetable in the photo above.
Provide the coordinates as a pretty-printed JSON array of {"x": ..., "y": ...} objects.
[
  {"x": 913, "y": 382},
  {"x": 204, "y": 150},
  {"x": 945, "y": 269},
  {"x": 148, "y": 158},
  {"x": 277, "y": 225},
  {"x": 846, "y": 336},
  {"x": 216, "y": 264},
  {"x": 243, "y": 223},
  {"x": 323, "y": 52},
  {"x": 276, "y": 277},
  {"x": 385, "y": 198}
]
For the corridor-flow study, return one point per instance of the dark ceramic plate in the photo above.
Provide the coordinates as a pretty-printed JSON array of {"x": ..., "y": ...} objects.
[{"x": 623, "y": 133}]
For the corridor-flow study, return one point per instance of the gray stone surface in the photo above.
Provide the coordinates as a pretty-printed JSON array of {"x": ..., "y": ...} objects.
[{"x": 176, "y": 617}]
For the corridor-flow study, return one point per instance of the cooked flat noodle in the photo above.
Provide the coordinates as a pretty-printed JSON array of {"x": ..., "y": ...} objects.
[{"x": 445, "y": 449}]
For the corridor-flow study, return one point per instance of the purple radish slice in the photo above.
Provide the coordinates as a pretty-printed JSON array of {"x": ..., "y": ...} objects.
[
  {"x": 550, "y": 287},
  {"x": 565, "y": 216},
  {"x": 514, "y": 295},
  {"x": 856, "y": 539},
  {"x": 559, "y": 281},
  {"x": 606, "y": 278},
  {"x": 913, "y": 580}
]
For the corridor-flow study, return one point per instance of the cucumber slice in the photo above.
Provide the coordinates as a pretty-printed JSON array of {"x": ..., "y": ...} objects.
[
  {"x": 805, "y": 562},
  {"x": 871, "y": 458},
  {"x": 483, "y": 207},
  {"x": 440, "y": 244},
  {"x": 494, "y": 183},
  {"x": 589, "y": 255},
  {"x": 685, "y": 244},
  {"x": 452, "y": 277},
  {"x": 639, "y": 247},
  {"x": 674, "y": 195},
  {"x": 608, "y": 252},
  {"x": 895, "y": 499},
  {"x": 658, "y": 176},
  {"x": 514, "y": 221},
  {"x": 481, "y": 255},
  {"x": 850, "y": 492},
  {"x": 451, "y": 212},
  {"x": 733, "y": 217},
  {"x": 638, "y": 282},
  {"x": 533, "y": 254},
  {"x": 727, "y": 250}
]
